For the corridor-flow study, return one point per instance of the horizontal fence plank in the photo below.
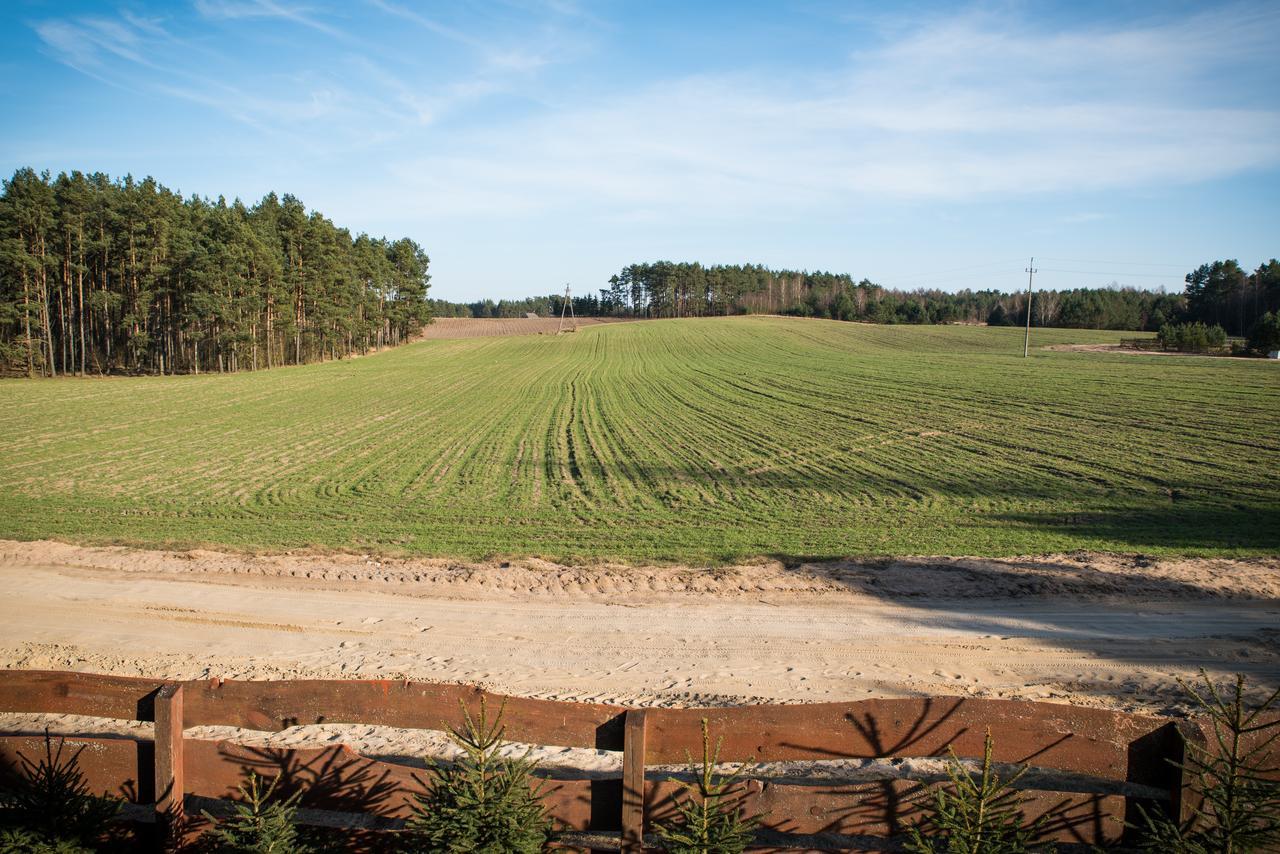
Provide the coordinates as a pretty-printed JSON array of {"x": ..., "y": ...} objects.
[
  {"x": 1087, "y": 741},
  {"x": 274, "y": 706},
  {"x": 395, "y": 703},
  {"x": 336, "y": 778},
  {"x": 1266, "y": 726},
  {"x": 93, "y": 694},
  {"x": 1100, "y": 744},
  {"x": 888, "y": 807},
  {"x": 118, "y": 767},
  {"x": 1091, "y": 741}
]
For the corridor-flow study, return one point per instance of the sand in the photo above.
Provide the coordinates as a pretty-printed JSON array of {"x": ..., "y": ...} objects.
[
  {"x": 1097, "y": 630},
  {"x": 487, "y": 327},
  {"x": 1118, "y": 348}
]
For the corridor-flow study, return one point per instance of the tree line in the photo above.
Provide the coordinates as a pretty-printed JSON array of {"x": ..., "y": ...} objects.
[
  {"x": 1220, "y": 293},
  {"x": 100, "y": 275}
]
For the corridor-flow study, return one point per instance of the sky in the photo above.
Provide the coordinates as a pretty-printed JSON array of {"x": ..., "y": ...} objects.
[{"x": 529, "y": 144}]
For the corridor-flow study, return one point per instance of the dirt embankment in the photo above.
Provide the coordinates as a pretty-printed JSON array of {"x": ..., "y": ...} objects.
[
  {"x": 1117, "y": 348},
  {"x": 1102, "y": 630},
  {"x": 486, "y": 327}
]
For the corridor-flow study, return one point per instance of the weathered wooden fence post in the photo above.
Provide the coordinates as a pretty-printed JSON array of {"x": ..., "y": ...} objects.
[
  {"x": 633, "y": 736},
  {"x": 1190, "y": 735},
  {"x": 170, "y": 780}
]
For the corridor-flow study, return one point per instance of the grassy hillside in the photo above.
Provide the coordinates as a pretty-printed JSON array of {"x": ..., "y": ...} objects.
[{"x": 689, "y": 440}]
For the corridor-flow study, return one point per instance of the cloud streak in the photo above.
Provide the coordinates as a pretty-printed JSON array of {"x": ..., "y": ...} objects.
[
  {"x": 264, "y": 9},
  {"x": 964, "y": 108},
  {"x": 90, "y": 42}
]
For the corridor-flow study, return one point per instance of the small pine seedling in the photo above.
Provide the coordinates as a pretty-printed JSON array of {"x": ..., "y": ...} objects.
[
  {"x": 977, "y": 813},
  {"x": 47, "y": 807},
  {"x": 1233, "y": 780},
  {"x": 21, "y": 841},
  {"x": 712, "y": 815},
  {"x": 260, "y": 823},
  {"x": 485, "y": 802}
]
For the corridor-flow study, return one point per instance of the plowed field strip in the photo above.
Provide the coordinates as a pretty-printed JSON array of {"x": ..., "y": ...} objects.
[{"x": 688, "y": 440}]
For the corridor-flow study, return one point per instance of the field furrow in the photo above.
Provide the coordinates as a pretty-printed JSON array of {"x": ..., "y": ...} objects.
[{"x": 701, "y": 440}]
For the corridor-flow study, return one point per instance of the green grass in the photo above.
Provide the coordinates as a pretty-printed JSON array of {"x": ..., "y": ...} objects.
[{"x": 683, "y": 440}]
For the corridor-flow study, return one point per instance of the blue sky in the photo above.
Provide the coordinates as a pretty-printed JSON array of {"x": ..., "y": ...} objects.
[{"x": 530, "y": 143}]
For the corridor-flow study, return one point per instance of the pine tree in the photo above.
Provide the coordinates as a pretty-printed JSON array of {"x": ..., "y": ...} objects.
[
  {"x": 260, "y": 824},
  {"x": 1234, "y": 777},
  {"x": 128, "y": 276},
  {"x": 47, "y": 806},
  {"x": 485, "y": 802},
  {"x": 712, "y": 816},
  {"x": 976, "y": 814}
]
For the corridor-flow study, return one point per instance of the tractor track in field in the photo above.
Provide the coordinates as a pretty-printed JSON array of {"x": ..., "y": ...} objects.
[{"x": 698, "y": 441}]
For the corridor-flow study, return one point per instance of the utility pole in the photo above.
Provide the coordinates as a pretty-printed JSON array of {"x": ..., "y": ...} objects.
[
  {"x": 567, "y": 306},
  {"x": 1026, "y": 340}
]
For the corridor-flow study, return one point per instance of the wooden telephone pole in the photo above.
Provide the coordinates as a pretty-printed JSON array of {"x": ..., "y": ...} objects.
[
  {"x": 1026, "y": 340},
  {"x": 568, "y": 306}
]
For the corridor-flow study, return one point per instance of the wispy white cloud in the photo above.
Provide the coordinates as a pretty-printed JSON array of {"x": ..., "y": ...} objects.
[
  {"x": 968, "y": 105},
  {"x": 965, "y": 107},
  {"x": 359, "y": 96},
  {"x": 401, "y": 100},
  {"x": 1083, "y": 217},
  {"x": 427, "y": 23},
  {"x": 140, "y": 54},
  {"x": 501, "y": 54},
  {"x": 258, "y": 9},
  {"x": 86, "y": 42},
  {"x": 152, "y": 26}
]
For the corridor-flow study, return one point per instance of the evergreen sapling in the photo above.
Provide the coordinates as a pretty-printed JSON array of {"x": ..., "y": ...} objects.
[
  {"x": 47, "y": 806},
  {"x": 259, "y": 824},
  {"x": 1235, "y": 783},
  {"x": 485, "y": 802},
  {"x": 977, "y": 813},
  {"x": 712, "y": 815}
]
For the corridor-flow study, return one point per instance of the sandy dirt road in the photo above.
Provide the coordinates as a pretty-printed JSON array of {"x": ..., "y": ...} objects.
[{"x": 1096, "y": 630}]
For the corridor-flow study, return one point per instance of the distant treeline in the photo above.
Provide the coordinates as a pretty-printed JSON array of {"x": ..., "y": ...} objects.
[
  {"x": 99, "y": 275},
  {"x": 1219, "y": 293}
]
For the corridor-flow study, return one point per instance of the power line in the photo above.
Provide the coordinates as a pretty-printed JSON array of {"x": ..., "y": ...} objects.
[
  {"x": 1106, "y": 273},
  {"x": 998, "y": 268},
  {"x": 916, "y": 280},
  {"x": 1002, "y": 268},
  {"x": 1026, "y": 340},
  {"x": 907, "y": 284},
  {"x": 1119, "y": 263},
  {"x": 955, "y": 270},
  {"x": 567, "y": 306}
]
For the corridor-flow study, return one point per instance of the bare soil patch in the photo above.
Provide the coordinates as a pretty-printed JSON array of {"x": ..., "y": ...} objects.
[
  {"x": 1129, "y": 351},
  {"x": 1093, "y": 629},
  {"x": 486, "y": 327}
]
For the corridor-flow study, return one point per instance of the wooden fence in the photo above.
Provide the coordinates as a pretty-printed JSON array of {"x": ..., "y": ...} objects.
[{"x": 1103, "y": 764}]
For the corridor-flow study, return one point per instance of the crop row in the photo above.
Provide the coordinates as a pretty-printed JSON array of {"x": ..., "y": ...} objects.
[{"x": 697, "y": 440}]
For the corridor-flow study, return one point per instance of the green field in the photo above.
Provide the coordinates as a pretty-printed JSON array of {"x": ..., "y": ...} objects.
[{"x": 684, "y": 440}]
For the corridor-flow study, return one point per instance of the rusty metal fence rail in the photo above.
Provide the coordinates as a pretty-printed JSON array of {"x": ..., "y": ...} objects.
[{"x": 1094, "y": 767}]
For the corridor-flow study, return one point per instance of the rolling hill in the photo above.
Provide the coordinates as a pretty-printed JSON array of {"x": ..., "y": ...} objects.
[{"x": 701, "y": 441}]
